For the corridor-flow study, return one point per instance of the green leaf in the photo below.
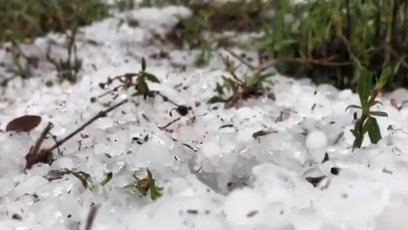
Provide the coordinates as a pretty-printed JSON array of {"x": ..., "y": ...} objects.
[
  {"x": 107, "y": 179},
  {"x": 371, "y": 126},
  {"x": 384, "y": 77},
  {"x": 248, "y": 80},
  {"x": 143, "y": 64},
  {"x": 379, "y": 113},
  {"x": 353, "y": 107},
  {"x": 264, "y": 76},
  {"x": 357, "y": 142},
  {"x": 50, "y": 158},
  {"x": 155, "y": 191},
  {"x": 283, "y": 43},
  {"x": 202, "y": 59},
  {"x": 151, "y": 77},
  {"x": 377, "y": 102},
  {"x": 141, "y": 86},
  {"x": 229, "y": 84},
  {"x": 364, "y": 85},
  {"x": 219, "y": 89},
  {"x": 353, "y": 132},
  {"x": 215, "y": 99}
]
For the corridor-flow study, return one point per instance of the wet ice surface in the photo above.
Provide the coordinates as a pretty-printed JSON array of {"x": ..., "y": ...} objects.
[{"x": 215, "y": 174}]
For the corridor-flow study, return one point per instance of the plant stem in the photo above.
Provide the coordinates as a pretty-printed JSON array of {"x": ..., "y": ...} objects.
[
  {"x": 86, "y": 124},
  {"x": 365, "y": 115},
  {"x": 35, "y": 154}
]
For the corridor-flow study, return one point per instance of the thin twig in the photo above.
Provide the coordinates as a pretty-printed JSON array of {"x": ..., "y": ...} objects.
[
  {"x": 86, "y": 124},
  {"x": 91, "y": 217},
  {"x": 322, "y": 62},
  {"x": 263, "y": 67},
  {"x": 55, "y": 140},
  {"x": 170, "y": 123},
  {"x": 231, "y": 69},
  {"x": 245, "y": 62}
]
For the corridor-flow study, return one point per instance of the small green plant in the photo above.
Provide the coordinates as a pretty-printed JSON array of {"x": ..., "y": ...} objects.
[
  {"x": 23, "y": 20},
  {"x": 323, "y": 39},
  {"x": 146, "y": 186},
  {"x": 188, "y": 33},
  {"x": 21, "y": 63},
  {"x": 367, "y": 93},
  {"x": 137, "y": 81},
  {"x": 241, "y": 89},
  {"x": 203, "y": 58}
]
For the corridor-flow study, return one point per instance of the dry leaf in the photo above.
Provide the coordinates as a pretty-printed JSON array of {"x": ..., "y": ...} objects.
[{"x": 24, "y": 123}]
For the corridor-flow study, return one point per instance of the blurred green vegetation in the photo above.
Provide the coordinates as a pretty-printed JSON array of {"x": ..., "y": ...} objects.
[
  {"x": 325, "y": 40},
  {"x": 22, "y": 20},
  {"x": 330, "y": 40}
]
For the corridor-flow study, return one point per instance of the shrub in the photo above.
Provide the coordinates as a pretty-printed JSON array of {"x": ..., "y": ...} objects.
[
  {"x": 329, "y": 40},
  {"x": 22, "y": 20}
]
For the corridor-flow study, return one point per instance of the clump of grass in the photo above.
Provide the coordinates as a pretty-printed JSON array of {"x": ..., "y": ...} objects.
[
  {"x": 212, "y": 18},
  {"x": 22, "y": 65},
  {"x": 328, "y": 40},
  {"x": 146, "y": 186},
  {"x": 69, "y": 68},
  {"x": 22, "y": 20},
  {"x": 240, "y": 88},
  {"x": 368, "y": 92},
  {"x": 128, "y": 81}
]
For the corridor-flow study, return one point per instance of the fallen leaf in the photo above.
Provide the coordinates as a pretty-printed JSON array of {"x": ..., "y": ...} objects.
[{"x": 24, "y": 123}]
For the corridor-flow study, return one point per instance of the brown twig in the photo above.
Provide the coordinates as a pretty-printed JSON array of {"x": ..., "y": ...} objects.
[
  {"x": 267, "y": 65},
  {"x": 323, "y": 62},
  {"x": 170, "y": 123},
  {"x": 35, "y": 154},
  {"x": 91, "y": 217},
  {"x": 56, "y": 140},
  {"x": 249, "y": 65},
  {"x": 86, "y": 124}
]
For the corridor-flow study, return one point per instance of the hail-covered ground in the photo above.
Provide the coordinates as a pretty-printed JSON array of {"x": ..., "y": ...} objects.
[{"x": 215, "y": 173}]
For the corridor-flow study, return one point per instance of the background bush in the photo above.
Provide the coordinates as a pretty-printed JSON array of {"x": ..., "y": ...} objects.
[
  {"x": 329, "y": 40},
  {"x": 325, "y": 40},
  {"x": 22, "y": 20}
]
